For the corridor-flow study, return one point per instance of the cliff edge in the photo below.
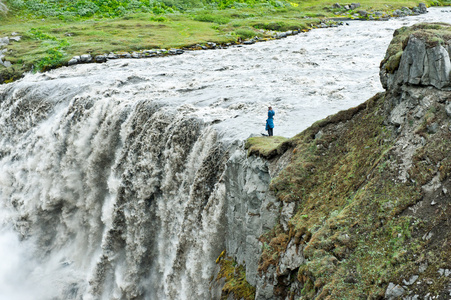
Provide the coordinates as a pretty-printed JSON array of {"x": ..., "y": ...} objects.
[{"x": 364, "y": 202}]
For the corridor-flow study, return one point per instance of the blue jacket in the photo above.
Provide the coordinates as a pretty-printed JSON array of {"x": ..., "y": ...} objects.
[{"x": 270, "y": 120}]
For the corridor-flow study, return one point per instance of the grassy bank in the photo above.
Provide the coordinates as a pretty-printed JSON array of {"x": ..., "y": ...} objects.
[{"x": 54, "y": 31}]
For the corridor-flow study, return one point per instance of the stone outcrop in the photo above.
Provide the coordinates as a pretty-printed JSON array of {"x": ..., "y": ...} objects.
[
  {"x": 252, "y": 209},
  {"x": 424, "y": 61},
  {"x": 421, "y": 65}
]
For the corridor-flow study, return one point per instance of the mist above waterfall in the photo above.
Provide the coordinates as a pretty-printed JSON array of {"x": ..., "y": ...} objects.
[{"x": 112, "y": 174}]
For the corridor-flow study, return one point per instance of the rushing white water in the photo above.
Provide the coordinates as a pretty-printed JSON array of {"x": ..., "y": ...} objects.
[{"x": 110, "y": 182}]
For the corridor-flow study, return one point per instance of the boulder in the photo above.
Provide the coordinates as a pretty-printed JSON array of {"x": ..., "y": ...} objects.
[
  {"x": 124, "y": 55},
  {"x": 175, "y": 51},
  {"x": 280, "y": 35},
  {"x": 85, "y": 58},
  {"x": 73, "y": 61},
  {"x": 7, "y": 64},
  {"x": 4, "y": 41},
  {"x": 150, "y": 51},
  {"x": 363, "y": 13},
  {"x": 420, "y": 64},
  {"x": 15, "y": 38},
  {"x": 398, "y": 13},
  {"x": 422, "y": 8},
  {"x": 411, "y": 280},
  {"x": 412, "y": 61},
  {"x": 100, "y": 58},
  {"x": 437, "y": 67},
  {"x": 111, "y": 55},
  {"x": 394, "y": 291},
  {"x": 354, "y": 5},
  {"x": 406, "y": 11}
]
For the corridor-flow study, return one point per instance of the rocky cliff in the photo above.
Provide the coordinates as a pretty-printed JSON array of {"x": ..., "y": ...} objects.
[{"x": 361, "y": 208}]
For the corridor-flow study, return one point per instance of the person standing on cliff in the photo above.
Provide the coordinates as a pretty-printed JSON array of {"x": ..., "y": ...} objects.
[{"x": 270, "y": 121}]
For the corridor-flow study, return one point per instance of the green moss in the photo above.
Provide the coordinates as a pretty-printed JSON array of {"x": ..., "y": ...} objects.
[
  {"x": 393, "y": 62},
  {"x": 266, "y": 146},
  {"x": 236, "y": 285}
]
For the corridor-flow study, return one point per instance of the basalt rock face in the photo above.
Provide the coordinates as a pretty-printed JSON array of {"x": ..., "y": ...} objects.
[
  {"x": 424, "y": 59},
  {"x": 252, "y": 210},
  {"x": 417, "y": 104},
  {"x": 364, "y": 198}
]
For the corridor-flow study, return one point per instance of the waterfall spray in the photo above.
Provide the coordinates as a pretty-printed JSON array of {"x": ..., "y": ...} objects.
[{"x": 123, "y": 191}]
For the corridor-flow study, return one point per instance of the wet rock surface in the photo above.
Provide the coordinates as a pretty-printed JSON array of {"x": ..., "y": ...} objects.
[{"x": 251, "y": 209}]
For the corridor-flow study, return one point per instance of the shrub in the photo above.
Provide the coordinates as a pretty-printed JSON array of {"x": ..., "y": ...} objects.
[
  {"x": 212, "y": 18},
  {"x": 246, "y": 33}
]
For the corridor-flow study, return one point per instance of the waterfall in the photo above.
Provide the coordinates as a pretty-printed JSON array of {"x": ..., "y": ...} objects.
[{"x": 111, "y": 199}]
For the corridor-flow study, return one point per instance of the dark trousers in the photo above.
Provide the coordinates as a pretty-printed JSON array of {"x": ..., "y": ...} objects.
[{"x": 270, "y": 131}]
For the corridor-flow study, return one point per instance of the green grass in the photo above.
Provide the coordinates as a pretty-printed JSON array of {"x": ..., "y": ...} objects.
[
  {"x": 70, "y": 28},
  {"x": 265, "y": 146},
  {"x": 234, "y": 275}
]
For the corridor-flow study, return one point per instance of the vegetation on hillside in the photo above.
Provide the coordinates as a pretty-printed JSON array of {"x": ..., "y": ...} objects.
[
  {"x": 53, "y": 31},
  {"x": 234, "y": 276},
  {"x": 352, "y": 220}
]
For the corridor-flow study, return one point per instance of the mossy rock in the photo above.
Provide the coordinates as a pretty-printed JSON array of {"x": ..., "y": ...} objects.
[
  {"x": 234, "y": 275},
  {"x": 393, "y": 62},
  {"x": 432, "y": 33},
  {"x": 266, "y": 146}
]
